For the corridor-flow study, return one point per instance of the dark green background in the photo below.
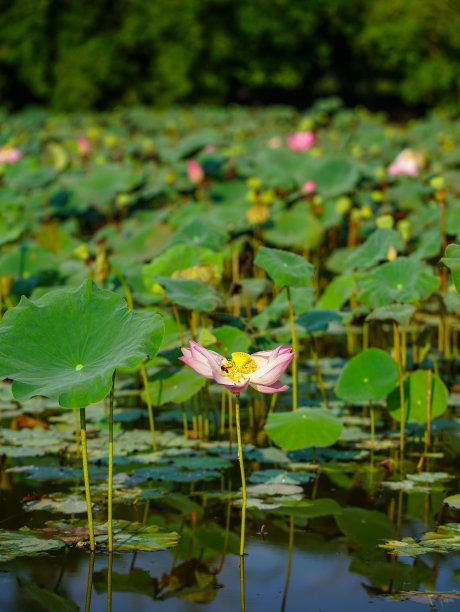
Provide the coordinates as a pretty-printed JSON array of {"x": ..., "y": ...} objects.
[{"x": 80, "y": 54}]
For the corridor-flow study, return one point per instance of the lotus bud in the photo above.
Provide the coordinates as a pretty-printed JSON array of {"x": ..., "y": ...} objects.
[
  {"x": 392, "y": 253},
  {"x": 308, "y": 187},
  {"x": 301, "y": 141},
  {"x": 9, "y": 155},
  {"x": 257, "y": 214},
  {"x": 83, "y": 145},
  {"x": 195, "y": 172},
  {"x": 102, "y": 265}
]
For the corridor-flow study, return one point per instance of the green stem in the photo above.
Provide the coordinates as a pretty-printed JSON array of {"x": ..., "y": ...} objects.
[
  {"x": 243, "y": 478},
  {"x": 372, "y": 411},
  {"x": 110, "y": 482},
  {"x": 84, "y": 457},
  {"x": 294, "y": 346},
  {"x": 397, "y": 344},
  {"x": 184, "y": 421},
  {"x": 314, "y": 351},
  {"x": 124, "y": 284},
  {"x": 230, "y": 420},
  {"x": 89, "y": 584},
  {"x": 149, "y": 406},
  {"x": 77, "y": 432},
  {"x": 222, "y": 410}
]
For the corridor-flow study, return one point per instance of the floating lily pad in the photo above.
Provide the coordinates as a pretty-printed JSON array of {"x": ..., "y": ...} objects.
[
  {"x": 285, "y": 268},
  {"x": 59, "y": 502},
  {"x": 453, "y": 501},
  {"x": 416, "y": 398},
  {"x": 367, "y": 377},
  {"x": 303, "y": 428},
  {"x": 23, "y": 543},
  {"x": 366, "y": 527},
  {"x": 67, "y": 344},
  {"x": 279, "y": 477},
  {"x": 135, "y": 536}
]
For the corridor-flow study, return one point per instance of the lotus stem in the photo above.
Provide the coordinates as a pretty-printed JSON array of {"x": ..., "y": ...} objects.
[
  {"x": 314, "y": 350},
  {"x": 149, "y": 406},
  {"x": 222, "y": 410},
  {"x": 84, "y": 457},
  {"x": 179, "y": 324},
  {"x": 77, "y": 432},
  {"x": 184, "y": 420},
  {"x": 397, "y": 347},
  {"x": 295, "y": 348},
  {"x": 243, "y": 478},
  {"x": 230, "y": 420},
  {"x": 110, "y": 479},
  {"x": 372, "y": 411},
  {"x": 124, "y": 284},
  {"x": 89, "y": 584}
]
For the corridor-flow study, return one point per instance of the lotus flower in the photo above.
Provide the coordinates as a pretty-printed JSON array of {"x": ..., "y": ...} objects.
[
  {"x": 408, "y": 162},
  {"x": 195, "y": 172},
  {"x": 309, "y": 187},
  {"x": 301, "y": 141},
  {"x": 83, "y": 145},
  {"x": 261, "y": 370},
  {"x": 9, "y": 155}
]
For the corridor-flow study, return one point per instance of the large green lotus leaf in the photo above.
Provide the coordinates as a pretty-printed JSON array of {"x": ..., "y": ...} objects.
[
  {"x": 306, "y": 509},
  {"x": 285, "y": 268},
  {"x": 452, "y": 261},
  {"x": 192, "y": 294},
  {"x": 24, "y": 543},
  {"x": 178, "y": 388},
  {"x": 401, "y": 313},
  {"x": 402, "y": 280},
  {"x": 337, "y": 293},
  {"x": 50, "y": 600},
  {"x": 67, "y": 344},
  {"x": 99, "y": 186},
  {"x": 369, "y": 376},
  {"x": 180, "y": 257},
  {"x": 200, "y": 232},
  {"x": 416, "y": 398},
  {"x": 232, "y": 339},
  {"x": 294, "y": 228},
  {"x": 369, "y": 253},
  {"x": 335, "y": 176},
  {"x": 303, "y": 428},
  {"x": 318, "y": 320},
  {"x": 28, "y": 174},
  {"x": 366, "y": 527}
]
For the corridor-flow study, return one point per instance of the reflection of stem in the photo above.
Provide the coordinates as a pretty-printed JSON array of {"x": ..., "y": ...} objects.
[
  {"x": 110, "y": 483},
  {"x": 84, "y": 457},
  {"x": 227, "y": 532},
  {"x": 314, "y": 350},
  {"x": 242, "y": 584},
  {"x": 243, "y": 479},
  {"x": 179, "y": 324},
  {"x": 149, "y": 405},
  {"x": 288, "y": 573},
  {"x": 109, "y": 582},
  {"x": 89, "y": 584},
  {"x": 77, "y": 432},
  {"x": 295, "y": 348},
  {"x": 397, "y": 344},
  {"x": 222, "y": 410}
]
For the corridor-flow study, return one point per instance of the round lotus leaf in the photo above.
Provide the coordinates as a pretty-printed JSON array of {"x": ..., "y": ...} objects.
[
  {"x": 403, "y": 281},
  {"x": 285, "y": 268},
  {"x": 303, "y": 428},
  {"x": 416, "y": 398},
  {"x": 366, "y": 527},
  {"x": 452, "y": 261},
  {"x": 67, "y": 344},
  {"x": 294, "y": 228},
  {"x": 335, "y": 176},
  {"x": 369, "y": 376},
  {"x": 190, "y": 293},
  {"x": 401, "y": 313},
  {"x": 318, "y": 320}
]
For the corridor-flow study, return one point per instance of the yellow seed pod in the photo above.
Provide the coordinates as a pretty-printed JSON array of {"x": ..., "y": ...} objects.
[
  {"x": 82, "y": 251},
  {"x": 306, "y": 124},
  {"x": 110, "y": 141},
  {"x": 355, "y": 214},
  {"x": 377, "y": 195},
  {"x": 267, "y": 196},
  {"x": 257, "y": 214},
  {"x": 251, "y": 196},
  {"x": 241, "y": 359},
  {"x": 403, "y": 226},
  {"x": 100, "y": 160},
  {"x": 157, "y": 289},
  {"x": 6, "y": 285},
  {"x": 94, "y": 132},
  {"x": 380, "y": 173},
  {"x": 122, "y": 199},
  {"x": 254, "y": 183},
  {"x": 437, "y": 183},
  {"x": 343, "y": 205},
  {"x": 170, "y": 178},
  {"x": 366, "y": 212},
  {"x": 101, "y": 264},
  {"x": 385, "y": 222}
]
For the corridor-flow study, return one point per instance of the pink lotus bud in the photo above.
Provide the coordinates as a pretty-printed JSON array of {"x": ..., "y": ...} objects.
[
  {"x": 9, "y": 155},
  {"x": 407, "y": 163},
  {"x": 260, "y": 370},
  {"x": 195, "y": 172},
  {"x": 309, "y": 187},
  {"x": 83, "y": 145},
  {"x": 301, "y": 141}
]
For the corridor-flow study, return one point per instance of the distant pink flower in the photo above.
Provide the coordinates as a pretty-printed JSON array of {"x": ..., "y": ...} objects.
[
  {"x": 195, "y": 172},
  {"x": 83, "y": 145},
  {"x": 261, "y": 370},
  {"x": 9, "y": 155},
  {"x": 408, "y": 162},
  {"x": 309, "y": 187},
  {"x": 301, "y": 141}
]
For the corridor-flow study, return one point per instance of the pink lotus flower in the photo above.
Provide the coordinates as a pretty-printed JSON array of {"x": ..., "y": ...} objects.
[
  {"x": 408, "y": 163},
  {"x": 83, "y": 145},
  {"x": 301, "y": 141},
  {"x": 9, "y": 155},
  {"x": 195, "y": 172},
  {"x": 309, "y": 187},
  {"x": 261, "y": 370}
]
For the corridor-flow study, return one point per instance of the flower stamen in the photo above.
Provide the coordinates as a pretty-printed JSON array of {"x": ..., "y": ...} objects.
[{"x": 240, "y": 365}]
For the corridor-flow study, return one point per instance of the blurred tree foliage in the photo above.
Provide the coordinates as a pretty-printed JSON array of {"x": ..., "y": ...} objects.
[{"x": 78, "y": 54}]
